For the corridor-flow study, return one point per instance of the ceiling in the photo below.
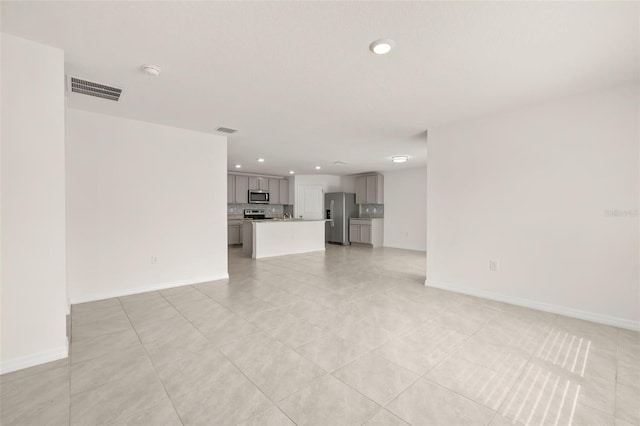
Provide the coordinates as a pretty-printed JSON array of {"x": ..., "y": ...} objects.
[{"x": 299, "y": 83}]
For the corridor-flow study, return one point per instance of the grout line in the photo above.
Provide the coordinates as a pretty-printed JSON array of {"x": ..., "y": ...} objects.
[{"x": 152, "y": 364}]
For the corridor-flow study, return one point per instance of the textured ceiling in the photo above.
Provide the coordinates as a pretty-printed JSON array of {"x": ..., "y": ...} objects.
[{"x": 298, "y": 82}]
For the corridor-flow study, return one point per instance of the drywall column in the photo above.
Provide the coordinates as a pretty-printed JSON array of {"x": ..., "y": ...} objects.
[
  {"x": 146, "y": 206},
  {"x": 33, "y": 205},
  {"x": 405, "y": 209}
]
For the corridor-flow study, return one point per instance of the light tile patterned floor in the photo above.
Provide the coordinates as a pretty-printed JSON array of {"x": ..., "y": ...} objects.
[{"x": 346, "y": 337}]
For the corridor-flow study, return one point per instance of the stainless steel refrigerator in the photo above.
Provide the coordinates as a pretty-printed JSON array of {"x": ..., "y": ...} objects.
[{"x": 339, "y": 206}]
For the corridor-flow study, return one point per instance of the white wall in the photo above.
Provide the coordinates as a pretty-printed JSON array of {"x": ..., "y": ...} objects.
[
  {"x": 348, "y": 183},
  {"x": 532, "y": 188},
  {"x": 137, "y": 190},
  {"x": 329, "y": 183},
  {"x": 405, "y": 209},
  {"x": 33, "y": 205}
]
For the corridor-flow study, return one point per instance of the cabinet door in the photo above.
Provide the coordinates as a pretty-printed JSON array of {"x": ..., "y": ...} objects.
[
  {"x": 274, "y": 191},
  {"x": 365, "y": 234},
  {"x": 242, "y": 189},
  {"x": 361, "y": 190},
  {"x": 354, "y": 233},
  {"x": 253, "y": 182},
  {"x": 372, "y": 186},
  {"x": 284, "y": 191},
  {"x": 231, "y": 189},
  {"x": 263, "y": 183},
  {"x": 233, "y": 234}
]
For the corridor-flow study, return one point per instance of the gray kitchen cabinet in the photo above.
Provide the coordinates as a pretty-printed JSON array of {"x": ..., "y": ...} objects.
[
  {"x": 234, "y": 234},
  {"x": 284, "y": 191},
  {"x": 366, "y": 231},
  {"x": 361, "y": 190},
  {"x": 231, "y": 189},
  {"x": 354, "y": 233},
  {"x": 258, "y": 182},
  {"x": 242, "y": 189},
  {"x": 365, "y": 234},
  {"x": 274, "y": 191},
  {"x": 370, "y": 189}
]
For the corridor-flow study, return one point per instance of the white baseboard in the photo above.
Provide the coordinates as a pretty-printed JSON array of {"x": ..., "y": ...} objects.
[
  {"x": 92, "y": 297},
  {"x": 35, "y": 359},
  {"x": 541, "y": 306}
]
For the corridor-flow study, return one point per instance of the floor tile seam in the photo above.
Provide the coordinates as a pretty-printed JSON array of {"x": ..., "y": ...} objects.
[
  {"x": 495, "y": 411},
  {"x": 375, "y": 413},
  {"x": 332, "y": 374},
  {"x": 109, "y": 380},
  {"x": 275, "y": 403},
  {"x": 154, "y": 369},
  {"x": 189, "y": 320},
  {"x": 28, "y": 375},
  {"x": 114, "y": 307},
  {"x": 574, "y": 376},
  {"x": 424, "y": 377},
  {"x": 453, "y": 354},
  {"x": 506, "y": 392},
  {"x": 268, "y": 408},
  {"x": 119, "y": 329}
]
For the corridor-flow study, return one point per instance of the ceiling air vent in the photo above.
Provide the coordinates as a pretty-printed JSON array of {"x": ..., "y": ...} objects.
[
  {"x": 226, "y": 130},
  {"x": 95, "y": 89}
]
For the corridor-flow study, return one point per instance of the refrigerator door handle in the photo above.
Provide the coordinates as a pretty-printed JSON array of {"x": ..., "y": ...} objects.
[{"x": 333, "y": 223}]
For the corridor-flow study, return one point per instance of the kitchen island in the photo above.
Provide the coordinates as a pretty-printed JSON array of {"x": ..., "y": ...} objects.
[{"x": 269, "y": 238}]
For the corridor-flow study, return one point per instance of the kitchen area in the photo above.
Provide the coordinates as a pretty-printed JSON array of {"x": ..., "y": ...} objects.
[{"x": 264, "y": 221}]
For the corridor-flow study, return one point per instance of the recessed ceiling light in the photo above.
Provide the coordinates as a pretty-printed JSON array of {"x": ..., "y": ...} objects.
[
  {"x": 151, "y": 70},
  {"x": 260, "y": 160},
  {"x": 317, "y": 167},
  {"x": 400, "y": 158},
  {"x": 291, "y": 172},
  {"x": 238, "y": 166},
  {"x": 382, "y": 46}
]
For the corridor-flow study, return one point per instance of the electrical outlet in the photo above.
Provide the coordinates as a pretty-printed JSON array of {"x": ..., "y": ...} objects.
[
  {"x": 493, "y": 265},
  {"x": 154, "y": 259}
]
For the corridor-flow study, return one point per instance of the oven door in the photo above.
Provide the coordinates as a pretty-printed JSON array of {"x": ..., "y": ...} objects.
[{"x": 258, "y": 197}]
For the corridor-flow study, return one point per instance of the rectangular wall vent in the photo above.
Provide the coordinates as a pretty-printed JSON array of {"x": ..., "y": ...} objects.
[
  {"x": 95, "y": 89},
  {"x": 226, "y": 130}
]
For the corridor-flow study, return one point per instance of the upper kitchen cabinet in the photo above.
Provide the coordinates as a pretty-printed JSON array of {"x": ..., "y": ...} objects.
[
  {"x": 258, "y": 182},
  {"x": 231, "y": 189},
  {"x": 284, "y": 191},
  {"x": 241, "y": 189},
  {"x": 370, "y": 189},
  {"x": 274, "y": 191}
]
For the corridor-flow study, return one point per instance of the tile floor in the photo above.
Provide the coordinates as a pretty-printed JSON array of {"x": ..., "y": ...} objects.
[{"x": 347, "y": 337}]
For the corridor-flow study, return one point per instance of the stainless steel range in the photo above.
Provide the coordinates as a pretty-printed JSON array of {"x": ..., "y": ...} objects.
[{"x": 254, "y": 214}]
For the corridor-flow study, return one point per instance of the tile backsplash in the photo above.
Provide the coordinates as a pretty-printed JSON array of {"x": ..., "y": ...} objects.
[
  {"x": 270, "y": 210},
  {"x": 236, "y": 211},
  {"x": 371, "y": 210}
]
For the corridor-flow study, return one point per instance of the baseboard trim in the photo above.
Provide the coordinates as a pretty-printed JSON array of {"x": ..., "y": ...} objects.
[
  {"x": 92, "y": 297},
  {"x": 541, "y": 306},
  {"x": 35, "y": 359}
]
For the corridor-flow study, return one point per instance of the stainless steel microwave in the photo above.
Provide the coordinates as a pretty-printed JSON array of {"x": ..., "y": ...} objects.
[{"x": 258, "y": 196}]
